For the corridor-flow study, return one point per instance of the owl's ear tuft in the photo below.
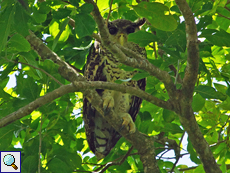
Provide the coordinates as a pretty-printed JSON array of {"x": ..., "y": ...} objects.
[{"x": 140, "y": 22}]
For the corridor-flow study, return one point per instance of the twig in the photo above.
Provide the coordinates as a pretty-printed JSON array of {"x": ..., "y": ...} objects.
[
  {"x": 163, "y": 154},
  {"x": 222, "y": 128},
  {"x": 223, "y": 16},
  {"x": 155, "y": 49},
  {"x": 181, "y": 138},
  {"x": 110, "y": 9},
  {"x": 174, "y": 165},
  {"x": 40, "y": 146},
  {"x": 177, "y": 72}
]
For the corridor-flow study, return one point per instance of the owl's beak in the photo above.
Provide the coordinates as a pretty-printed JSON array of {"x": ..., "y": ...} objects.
[{"x": 121, "y": 39}]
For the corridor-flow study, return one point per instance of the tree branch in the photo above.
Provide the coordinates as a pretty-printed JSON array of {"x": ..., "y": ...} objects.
[
  {"x": 90, "y": 85},
  {"x": 125, "y": 89},
  {"x": 184, "y": 109},
  {"x": 191, "y": 71},
  {"x": 26, "y": 110}
]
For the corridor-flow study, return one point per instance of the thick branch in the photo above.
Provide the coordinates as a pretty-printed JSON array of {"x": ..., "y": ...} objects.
[
  {"x": 26, "y": 110},
  {"x": 185, "y": 111},
  {"x": 191, "y": 71},
  {"x": 45, "y": 53},
  {"x": 125, "y": 89},
  {"x": 82, "y": 86}
]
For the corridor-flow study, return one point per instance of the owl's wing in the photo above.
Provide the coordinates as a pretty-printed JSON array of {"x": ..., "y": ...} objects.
[
  {"x": 136, "y": 101},
  {"x": 92, "y": 119}
]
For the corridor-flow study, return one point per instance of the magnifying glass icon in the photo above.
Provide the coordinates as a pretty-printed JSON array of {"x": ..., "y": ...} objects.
[{"x": 9, "y": 160}]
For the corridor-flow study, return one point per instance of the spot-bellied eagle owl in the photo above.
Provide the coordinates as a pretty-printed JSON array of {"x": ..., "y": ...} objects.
[{"x": 103, "y": 66}]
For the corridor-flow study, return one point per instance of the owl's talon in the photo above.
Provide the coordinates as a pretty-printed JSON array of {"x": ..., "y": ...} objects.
[{"x": 128, "y": 122}]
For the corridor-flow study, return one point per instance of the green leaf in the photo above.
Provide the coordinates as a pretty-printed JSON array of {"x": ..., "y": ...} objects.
[
  {"x": 219, "y": 38},
  {"x": 155, "y": 13},
  {"x": 62, "y": 29},
  {"x": 30, "y": 163},
  {"x": 120, "y": 81},
  {"x": 197, "y": 103},
  {"x": 6, "y": 135},
  {"x": 35, "y": 123},
  {"x": 209, "y": 92},
  {"x": 86, "y": 8},
  {"x": 79, "y": 58},
  {"x": 228, "y": 91},
  {"x": 168, "y": 115},
  {"x": 4, "y": 96},
  {"x": 59, "y": 34},
  {"x": 84, "y": 25},
  {"x": 27, "y": 88},
  {"x": 44, "y": 8},
  {"x": 178, "y": 38},
  {"x": 199, "y": 169},
  {"x": 50, "y": 66},
  {"x": 193, "y": 155},
  {"x": 223, "y": 167},
  {"x": 172, "y": 128},
  {"x": 8, "y": 68},
  {"x": 139, "y": 76},
  {"x": 145, "y": 116},
  {"x": 102, "y": 4},
  {"x": 21, "y": 27},
  {"x": 6, "y": 19},
  {"x": 220, "y": 147},
  {"x": 126, "y": 68},
  {"x": 30, "y": 58},
  {"x": 142, "y": 38},
  {"x": 221, "y": 88},
  {"x": 75, "y": 2},
  {"x": 204, "y": 22},
  {"x": 174, "y": 53},
  {"x": 58, "y": 166},
  {"x": 19, "y": 43},
  {"x": 61, "y": 13},
  {"x": 38, "y": 17}
]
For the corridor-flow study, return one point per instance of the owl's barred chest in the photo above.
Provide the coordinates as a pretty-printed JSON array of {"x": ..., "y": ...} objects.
[{"x": 113, "y": 72}]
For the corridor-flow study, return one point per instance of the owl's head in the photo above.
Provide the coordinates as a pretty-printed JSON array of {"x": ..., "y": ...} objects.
[{"x": 120, "y": 29}]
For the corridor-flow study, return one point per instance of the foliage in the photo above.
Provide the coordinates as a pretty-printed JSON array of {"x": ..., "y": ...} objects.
[{"x": 54, "y": 133}]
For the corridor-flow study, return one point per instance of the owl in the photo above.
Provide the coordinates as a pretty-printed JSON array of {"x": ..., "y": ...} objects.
[{"x": 103, "y": 66}]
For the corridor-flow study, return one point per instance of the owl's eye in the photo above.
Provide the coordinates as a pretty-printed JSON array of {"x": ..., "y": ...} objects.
[
  {"x": 130, "y": 30},
  {"x": 113, "y": 30}
]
